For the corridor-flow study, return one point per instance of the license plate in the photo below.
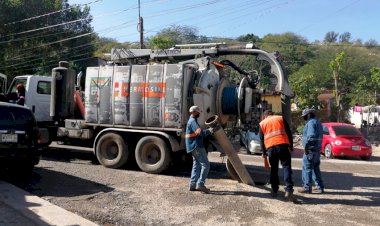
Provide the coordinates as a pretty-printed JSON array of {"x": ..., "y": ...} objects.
[
  {"x": 8, "y": 138},
  {"x": 356, "y": 148}
]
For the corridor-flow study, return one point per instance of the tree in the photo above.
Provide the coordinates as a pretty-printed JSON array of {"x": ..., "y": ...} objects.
[
  {"x": 33, "y": 41},
  {"x": 104, "y": 46},
  {"x": 161, "y": 42},
  {"x": 249, "y": 38},
  {"x": 371, "y": 43},
  {"x": 312, "y": 78},
  {"x": 368, "y": 87},
  {"x": 345, "y": 37},
  {"x": 175, "y": 34},
  {"x": 294, "y": 49},
  {"x": 331, "y": 37},
  {"x": 336, "y": 67}
]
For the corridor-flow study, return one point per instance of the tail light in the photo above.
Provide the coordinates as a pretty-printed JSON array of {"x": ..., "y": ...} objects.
[
  {"x": 39, "y": 141},
  {"x": 37, "y": 135}
]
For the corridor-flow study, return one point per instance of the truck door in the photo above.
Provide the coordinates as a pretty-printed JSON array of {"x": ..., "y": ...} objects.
[
  {"x": 12, "y": 95},
  {"x": 37, "y": 97}
]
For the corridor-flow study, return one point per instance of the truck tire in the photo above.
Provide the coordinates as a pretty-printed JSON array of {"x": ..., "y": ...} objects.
[
  {"x": 152, "y": 154},
  {"x": 112, "y": 151}
]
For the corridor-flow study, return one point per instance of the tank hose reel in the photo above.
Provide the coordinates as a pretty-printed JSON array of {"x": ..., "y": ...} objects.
[{"x": 230, "y": 100}]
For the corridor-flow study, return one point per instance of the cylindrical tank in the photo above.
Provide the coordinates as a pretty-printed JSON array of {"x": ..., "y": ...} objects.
[{"x": 62, "y": 98}]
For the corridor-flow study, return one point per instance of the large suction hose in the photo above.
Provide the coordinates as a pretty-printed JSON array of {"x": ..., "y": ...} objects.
[{"x": 221, "y": 137}]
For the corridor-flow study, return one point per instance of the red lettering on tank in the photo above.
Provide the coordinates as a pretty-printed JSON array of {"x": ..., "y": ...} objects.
[
  {"x": 124, "y": 89},
  {"x": 150, "y": 90},
  {"x": 155, "y": 90}
]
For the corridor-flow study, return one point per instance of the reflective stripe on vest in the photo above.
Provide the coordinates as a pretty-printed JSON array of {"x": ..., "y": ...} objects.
[
  {"x": 194, "y": 134},
  {"x": 274, "y": 131}
]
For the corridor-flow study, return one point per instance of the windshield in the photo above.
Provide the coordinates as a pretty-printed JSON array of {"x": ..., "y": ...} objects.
[{"x": 346, "y": 131}]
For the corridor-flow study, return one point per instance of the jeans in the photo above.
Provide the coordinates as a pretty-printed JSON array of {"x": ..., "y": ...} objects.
[
  {"x": 201, "y": 167},
  {"x": 276, "y": 154},
  {"x": 311, "y": 170}
]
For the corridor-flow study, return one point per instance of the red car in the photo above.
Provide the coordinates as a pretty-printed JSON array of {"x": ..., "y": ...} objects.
[{"x": 340, "y": 139}]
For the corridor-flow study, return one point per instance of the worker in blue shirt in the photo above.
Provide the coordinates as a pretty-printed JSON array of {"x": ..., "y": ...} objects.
[
  {"x": 194, "y": 145},
  {"x": 312, "y": 142}
]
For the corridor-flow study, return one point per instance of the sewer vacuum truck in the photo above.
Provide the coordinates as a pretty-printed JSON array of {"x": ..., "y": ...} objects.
[{"x": 136, "y": 108}]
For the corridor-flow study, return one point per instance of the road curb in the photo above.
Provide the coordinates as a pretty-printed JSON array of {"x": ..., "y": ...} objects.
[{"x": 39, "y": 211}]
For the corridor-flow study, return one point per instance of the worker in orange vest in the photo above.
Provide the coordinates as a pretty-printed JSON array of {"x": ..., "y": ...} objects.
[{"x": 277, "y": 143}]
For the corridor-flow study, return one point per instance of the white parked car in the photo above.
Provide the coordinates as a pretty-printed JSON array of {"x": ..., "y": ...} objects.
[{"x": 251, "y": 141}]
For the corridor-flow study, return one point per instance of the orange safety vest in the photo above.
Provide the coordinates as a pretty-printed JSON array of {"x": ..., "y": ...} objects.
[{"x": 274, "y": 131}]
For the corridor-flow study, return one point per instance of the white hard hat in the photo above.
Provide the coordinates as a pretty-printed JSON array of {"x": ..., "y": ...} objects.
[{"x": 194, "y": 108}]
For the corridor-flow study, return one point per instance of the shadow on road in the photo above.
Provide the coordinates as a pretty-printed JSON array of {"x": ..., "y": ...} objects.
[
  {"x": 45, "y": 182},
  {"x": 66, "y": 155}
]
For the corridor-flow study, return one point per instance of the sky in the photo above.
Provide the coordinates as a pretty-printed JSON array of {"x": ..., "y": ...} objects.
[{"x": 311, "y": 19}]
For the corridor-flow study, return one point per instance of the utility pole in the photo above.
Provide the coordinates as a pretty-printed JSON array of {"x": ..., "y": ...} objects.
[{"x": 140, "y": 29}]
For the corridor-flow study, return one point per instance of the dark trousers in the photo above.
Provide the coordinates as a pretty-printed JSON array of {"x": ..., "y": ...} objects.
[{"x": 276, "y": 154}]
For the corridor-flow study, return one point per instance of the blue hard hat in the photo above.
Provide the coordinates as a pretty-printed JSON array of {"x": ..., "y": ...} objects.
[{"x": 307, "y": 111}]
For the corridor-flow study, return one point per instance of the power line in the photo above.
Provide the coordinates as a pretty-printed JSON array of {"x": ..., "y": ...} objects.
[
  {"x": 48, "y": 14},
  {"x": 154, "y": 15},
  {"x": 330, "y": 14},
  {"x": 40, "y": 58},
  {"x": 84, "y": 19},
  {"x": 264, "y": 11}
]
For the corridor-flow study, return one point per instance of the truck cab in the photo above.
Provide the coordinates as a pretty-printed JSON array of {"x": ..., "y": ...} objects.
[{"x": 37, "y": 95}]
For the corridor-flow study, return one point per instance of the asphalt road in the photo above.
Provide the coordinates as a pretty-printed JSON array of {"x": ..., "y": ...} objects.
[{"x": 72, "y": 180}]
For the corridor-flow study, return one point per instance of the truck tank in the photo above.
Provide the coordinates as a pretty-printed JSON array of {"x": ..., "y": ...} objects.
[{"x": 141, "y": 95}]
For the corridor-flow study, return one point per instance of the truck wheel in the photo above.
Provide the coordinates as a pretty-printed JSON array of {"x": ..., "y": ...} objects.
[
  {"x": 112, "y": 151},
  {"x": 231, "y": 170},
  {"x": 152, "y": 154}
]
